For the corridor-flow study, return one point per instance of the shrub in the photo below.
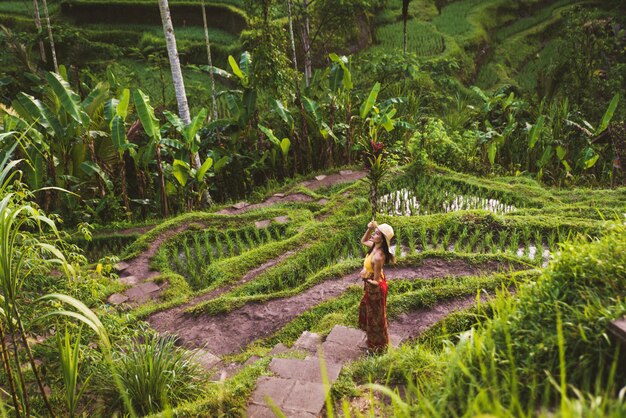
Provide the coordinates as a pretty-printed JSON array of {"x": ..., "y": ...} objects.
[{"x": 156, "y": 374}]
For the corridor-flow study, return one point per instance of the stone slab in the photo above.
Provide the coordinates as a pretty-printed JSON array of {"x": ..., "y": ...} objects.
[
  {"x": 149, "y": 287},
  {"x": 395, "y": 340},
  {"x": 308, "y": 341},
  {"x": 251, "y": 359},
  {"x": 259, "y": 411},
  {"x": 262, "y": 224},
  {"x": 276, "y": 388},
  {"x": 142, "y": 291},
  {"x": 224, "y": 372},
  {"x": 322, "y": 201},
  {"x": 306, "y": 396},
  {"x": 279, "y": 194},
  {"x": 129, "y": 280},
  {"x": 281, "y": 219},
  {"x": 340, "y": 353},
  {"x": 117, "y": 298},
  {"x": 240, "y": 205},
  {"x": 121, "y": 266},
  {"x": 345, "y": 172},
  {"x": 206, "y": 359},
  {"x": 304, "y": 370},
  {"x": 347, "y": 336},
  {"x": 320, "y": 177},
  {"x": 278, "y": 349}
]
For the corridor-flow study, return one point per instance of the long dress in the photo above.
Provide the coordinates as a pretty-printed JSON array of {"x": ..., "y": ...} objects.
[{"x": 373, "y": 310}]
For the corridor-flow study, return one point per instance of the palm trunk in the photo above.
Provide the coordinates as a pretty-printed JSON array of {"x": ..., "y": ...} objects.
[
  {"x": 164, "y": 206},
  {"x": 123, "y": 184},
  {"x": 306, "y": 43},
  {"x": 177, "y": 74},
  {"x": 297, "y": 160},
  {"x": 52, "y": 49},
  {"x": 208, "y": 53},
  {"x": 42, "y": 50}
]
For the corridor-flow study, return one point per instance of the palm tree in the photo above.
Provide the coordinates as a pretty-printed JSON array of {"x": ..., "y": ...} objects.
[
  {"x": 208, "y": 52},
  {"x": 177, "y": 74},
  {"x": 50, "y": 38},
  {"x": 42, "y": 50},
  {"x": 405, "y": 15}
]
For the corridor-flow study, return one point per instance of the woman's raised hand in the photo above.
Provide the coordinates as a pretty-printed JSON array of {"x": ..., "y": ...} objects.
[{"x": 372, "y": 225}]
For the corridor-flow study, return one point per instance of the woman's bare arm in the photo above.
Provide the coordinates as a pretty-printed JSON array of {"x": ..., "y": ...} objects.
[{"x": 365, "y": 240}]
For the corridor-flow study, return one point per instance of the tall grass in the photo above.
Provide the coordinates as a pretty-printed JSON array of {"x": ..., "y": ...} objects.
[
  {"x": 543, "y": 353},
  {"x": 156, "y": 374}
]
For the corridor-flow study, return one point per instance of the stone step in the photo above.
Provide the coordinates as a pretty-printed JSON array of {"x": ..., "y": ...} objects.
[
  {"x": 295, "y": 398},
  {"x": 121, "y": 266},
  {"x": 129, "y": 280},
  {"x": 206, "y": 359},
  {"x": 309, "y": 370},
  {"x": 117, "y": 298},
  {"x": 308, "y": 341}
]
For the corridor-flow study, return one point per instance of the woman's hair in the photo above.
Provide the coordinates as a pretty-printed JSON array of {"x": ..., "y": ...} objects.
[{"x": 389, "y": 258}]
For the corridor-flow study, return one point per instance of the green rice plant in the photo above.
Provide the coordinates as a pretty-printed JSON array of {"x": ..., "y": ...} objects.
[
  {"x": 434, "y": 237},
  {"x": 474, "y": 239},
  {"x": 208, "y": 247},
  {"x": 240, "y": 247},
  {"x": 447, "y": 239},
  {"x": 462, "y": 238},
  {"x": 248, "y": 239},
  {"x": 514, "y": 241},
  {"x": 219, "y": 248},
  {"x": 503, "y": 237},
  {"x": 230, "y": 246},
  {"x": 399, "y": 242},
  {"x": 267, "y": 235},
  {"x": 411, "y": 241},
  {"x": 487, "y": 244}
]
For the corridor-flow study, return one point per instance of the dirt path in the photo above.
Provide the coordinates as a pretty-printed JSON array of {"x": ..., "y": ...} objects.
[
  {"x": 139, "y": 266},
  {"x": 410, "y": 325},
  {"x": 170, "y": 318},
  {"x": 228, "y": 333}
]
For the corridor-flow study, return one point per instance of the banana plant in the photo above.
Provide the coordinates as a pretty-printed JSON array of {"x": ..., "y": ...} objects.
[
  {"x": 280, "y": 146},
  {"x": 590, "y": 154},
  {"x": 188, "y": 145},
  {"x": 151, "y": 127},
  {"x": 116, "y": 112},
  {"x": 64, "y": 134}
]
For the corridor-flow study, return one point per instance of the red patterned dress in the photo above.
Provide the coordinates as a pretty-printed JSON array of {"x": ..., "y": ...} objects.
[{"x": 373, "y": 310}]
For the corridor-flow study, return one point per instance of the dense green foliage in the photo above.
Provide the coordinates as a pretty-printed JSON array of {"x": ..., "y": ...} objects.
[{"x": 496, "y": 141}]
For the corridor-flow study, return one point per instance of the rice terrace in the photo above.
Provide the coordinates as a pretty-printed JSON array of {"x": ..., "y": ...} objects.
[{"x": 313, "y": 208}]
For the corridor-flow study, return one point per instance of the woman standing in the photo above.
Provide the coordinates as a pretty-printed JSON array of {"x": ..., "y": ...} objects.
[{"x": 372, "y": 310}]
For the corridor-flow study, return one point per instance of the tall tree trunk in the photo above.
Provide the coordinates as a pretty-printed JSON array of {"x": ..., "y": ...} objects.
[
  {"x": 208, "y": 53},
  {"x": 123, "y": 184},
  {"x": 164, "y": 207},
  {"x": 177, "y": 74},
  {"x": 42, "y": 50},
  {"x": 51, "y": 39},
  {"x": 405, "y": 16},
  {"x": 306, "y": 44},
  {"x": 298, "y": 157}
]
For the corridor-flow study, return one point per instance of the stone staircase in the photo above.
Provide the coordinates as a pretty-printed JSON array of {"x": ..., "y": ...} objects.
[{"x": 297, "y": 387}]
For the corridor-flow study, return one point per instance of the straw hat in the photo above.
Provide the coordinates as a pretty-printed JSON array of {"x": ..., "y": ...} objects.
[{"x": 387, "y": 231}]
